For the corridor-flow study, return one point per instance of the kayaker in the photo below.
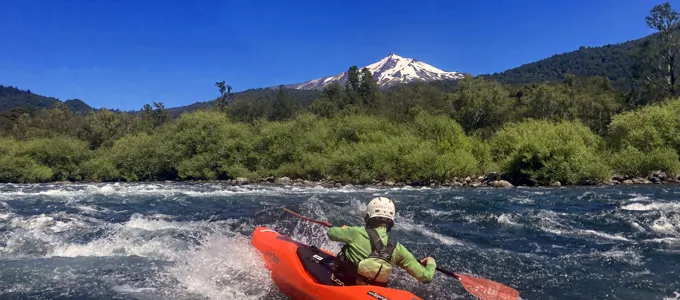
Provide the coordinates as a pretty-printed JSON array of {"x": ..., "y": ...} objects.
[{"x": 370, "y": 252}]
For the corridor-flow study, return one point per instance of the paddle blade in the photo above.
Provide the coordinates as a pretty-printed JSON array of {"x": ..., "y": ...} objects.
[{"x": 486, "y": 289}]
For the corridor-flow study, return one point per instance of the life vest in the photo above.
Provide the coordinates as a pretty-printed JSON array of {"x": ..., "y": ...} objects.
[{"x": 375, "y": 269}]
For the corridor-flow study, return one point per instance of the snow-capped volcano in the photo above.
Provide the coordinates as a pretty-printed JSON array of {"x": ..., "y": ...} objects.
[{"x": 389, "y": 71}]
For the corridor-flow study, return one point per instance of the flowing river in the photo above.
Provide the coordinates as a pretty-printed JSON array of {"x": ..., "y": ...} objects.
[{"x": 192, "y": 241}]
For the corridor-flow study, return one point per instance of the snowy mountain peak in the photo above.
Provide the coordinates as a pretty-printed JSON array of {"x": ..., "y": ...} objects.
[{"x": 391, "y": 70}]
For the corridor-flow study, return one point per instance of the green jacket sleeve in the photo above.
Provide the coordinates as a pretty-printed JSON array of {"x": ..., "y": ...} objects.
[
  {"x": 340, "y": 234},
  {"x": 409, "y": 263}
]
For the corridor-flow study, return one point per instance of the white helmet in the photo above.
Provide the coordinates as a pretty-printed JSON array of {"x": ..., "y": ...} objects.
[{"x": 380, "y": 207}]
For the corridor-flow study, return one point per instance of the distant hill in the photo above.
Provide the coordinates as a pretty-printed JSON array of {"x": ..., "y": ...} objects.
[
  {"x": 13, "y": 97},
  {"x": 612, "y": 61},
  {"x": 305, "y": 97}
]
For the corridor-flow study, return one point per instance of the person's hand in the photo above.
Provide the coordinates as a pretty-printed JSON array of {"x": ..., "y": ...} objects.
[
  {"x": 424, "y": 260},
  {"x": 345, "y": 227}
]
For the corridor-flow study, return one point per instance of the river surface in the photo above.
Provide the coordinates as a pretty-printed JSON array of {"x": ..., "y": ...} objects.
[{"x": 191, "y": 241}]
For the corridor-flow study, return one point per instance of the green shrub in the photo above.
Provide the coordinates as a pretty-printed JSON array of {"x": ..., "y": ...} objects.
[
  {"x": 481, "y": 150},
  {"x": 543, "y": 151},
  {"x": 206, "y": 145},
  {"x": 425, "y": 163},
  {"x": 101, "y": 168},
  {"x": 362, "y": 162},
  {"x": 142, "y": 157},
  {"x": 646, "y": 129},
  {"x": 633, "y": 162},
  {"x": 64, "y": 155},
  {"x": 23, "y": 170}
]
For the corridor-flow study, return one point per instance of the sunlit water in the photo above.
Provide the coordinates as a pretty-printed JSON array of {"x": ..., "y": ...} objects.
[{"x": 192, "y": 241}]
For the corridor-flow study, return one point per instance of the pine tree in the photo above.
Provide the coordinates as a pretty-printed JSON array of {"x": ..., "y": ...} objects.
[
  {"x": 369, "y": 92},
  {"x": 352, "y": 85}
]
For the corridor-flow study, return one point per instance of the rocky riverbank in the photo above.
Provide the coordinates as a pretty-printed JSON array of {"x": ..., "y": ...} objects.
[{"x": 491, "y": 180}]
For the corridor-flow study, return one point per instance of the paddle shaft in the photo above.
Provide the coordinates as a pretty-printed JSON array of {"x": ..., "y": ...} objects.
[{"x": 308, "y": 219}]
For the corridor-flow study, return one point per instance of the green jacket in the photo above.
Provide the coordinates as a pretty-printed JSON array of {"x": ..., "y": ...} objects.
[{"x": 360, "y": 247}]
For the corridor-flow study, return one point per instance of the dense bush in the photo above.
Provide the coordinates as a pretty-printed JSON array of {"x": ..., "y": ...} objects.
[
  {"x": 64, "y": 155},
  {"x": 652, "y": 127},
  {"x": 633, "y": 162},
  {"x": 206, "y": 145},
  {"x": 139, "y": 157},
  {"x": 17, "y": 168},
  {"x": 348, "y": 146},
  {"x": 540, "y": 152}
]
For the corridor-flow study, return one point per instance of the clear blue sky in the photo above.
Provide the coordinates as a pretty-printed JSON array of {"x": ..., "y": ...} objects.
[{"x": 124, "y": 53}]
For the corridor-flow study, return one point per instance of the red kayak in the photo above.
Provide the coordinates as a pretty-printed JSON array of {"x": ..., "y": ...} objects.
[{"x": 304, "y": 272}]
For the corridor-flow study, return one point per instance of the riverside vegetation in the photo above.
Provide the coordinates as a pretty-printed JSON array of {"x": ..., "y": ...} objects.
[{"x": 580, "y": 130}]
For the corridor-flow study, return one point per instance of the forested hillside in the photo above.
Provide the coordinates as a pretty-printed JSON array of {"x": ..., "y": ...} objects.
[
  {"x": 615, "y": 62},
  {"x": 12, "y": 97},
  {"x": 251, "y": 98}
]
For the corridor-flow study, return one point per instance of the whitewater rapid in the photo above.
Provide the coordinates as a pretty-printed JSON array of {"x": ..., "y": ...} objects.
[{"x": 192, "y": 241}]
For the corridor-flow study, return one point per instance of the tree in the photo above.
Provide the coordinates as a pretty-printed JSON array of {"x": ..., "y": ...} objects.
[
  {"x": 481, "y": 103},
  {"x": 352, "y": 85},
  {"x": 153, "y": 118},
  {"x": 368, "y": 89},
  {"x": 160, "y": 115},
  {"x": 661, "y": 58},
  {"x": 225, "y": 95},
  {"x": 284, "y": 106}
]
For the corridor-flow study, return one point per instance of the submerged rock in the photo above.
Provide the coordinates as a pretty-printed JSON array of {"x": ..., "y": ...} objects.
[
  {"x": 638, "y": 180},
  {"x": 504, "y": 183},
  {"x": 501, "y": 184},
  {"x": 283, "y": 181},
  {"x": 241, "y": 180}
]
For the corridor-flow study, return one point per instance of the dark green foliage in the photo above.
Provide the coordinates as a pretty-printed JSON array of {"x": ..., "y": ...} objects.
[
  {"x": 611, "y": 61},
  {"x": 479, "y": 103},
  {"x": 264, "y": 96},
  {"x": 59, "y": 120},
  {"x": 103, "y": 127},
  {"x": 284, "y": 106},
  {"x": 12, "y": 97},
  {"x": 249, "y": 111},
  {"x": 368, "y": 90},
  {"x": 352, "y": 86}
]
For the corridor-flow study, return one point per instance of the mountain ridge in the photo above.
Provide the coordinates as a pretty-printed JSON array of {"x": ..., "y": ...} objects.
[{"x": 389, "y": 71}]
